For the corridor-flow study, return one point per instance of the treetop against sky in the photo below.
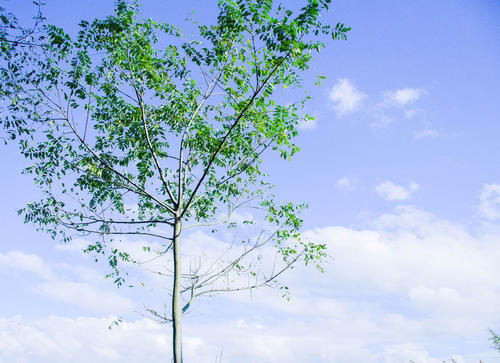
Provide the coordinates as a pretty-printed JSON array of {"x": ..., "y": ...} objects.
[{"x": 400, "y": 171}]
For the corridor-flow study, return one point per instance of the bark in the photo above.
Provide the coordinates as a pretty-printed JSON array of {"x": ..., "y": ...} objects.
[{"x": 176, "y": 296}]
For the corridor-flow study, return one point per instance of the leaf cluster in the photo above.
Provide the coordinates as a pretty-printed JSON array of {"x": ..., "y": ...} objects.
[{"x": 130, "y": 126}]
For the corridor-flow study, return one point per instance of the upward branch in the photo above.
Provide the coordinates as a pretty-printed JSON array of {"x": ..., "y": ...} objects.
[
  {"x": 150, "y": 146},
  {"x": 228, "y": 133},
  {"x": 113, "y": 170},
  {"x": 208, "y": 93}
]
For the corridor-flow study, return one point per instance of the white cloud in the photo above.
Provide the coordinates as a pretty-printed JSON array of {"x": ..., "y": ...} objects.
[
  {"x": 346, "y": 97},
  {"x": 345, "y": 184},
  {"x": 86, "y": 296},
  {"x": 413, "y": 286},
  {"x": 410, "y": 113},
  {"x": 135, "y": 249},
  {"x": 399, "y": 104},
  {"x": 381, "y": 121},
  {"x": 426, "y": 134},
  {"x": 489, "y": 206},
  {"x": 85, "y": 293},
  {"x": 390, "y": 191},
  {"x": 403, "y": 97},
  {"x": 437, "y": 268},
  {"x": 85, "y": 339},
  {"x": 391, "y": 293},
  {"x": 16, "y": 260},
  {"x": 413, "y": 253},
  {"x": 412, "y": 353},
  {"x": 82, "y": 339},
  {"x": 430, "y": 298},
  {"x": 308, "y": 125}
]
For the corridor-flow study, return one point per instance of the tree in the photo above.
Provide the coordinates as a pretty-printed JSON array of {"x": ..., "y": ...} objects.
[
  {"x": 133, "y": 112},
  {"x": 495, "y": 339},
  {"x": 16, "y": 44}
]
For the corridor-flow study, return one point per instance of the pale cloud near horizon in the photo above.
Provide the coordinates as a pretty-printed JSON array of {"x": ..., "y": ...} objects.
[
  {"x": 489, "y": 206},
  {"x": 346, "y": 97},
  {"x": 20, "y": 261},
  {"x": 393, "y": 192},
  {"x": 83, "y": 339},
  {"x": 404, "y": 288},
  {"x": 84, "y": 293}
]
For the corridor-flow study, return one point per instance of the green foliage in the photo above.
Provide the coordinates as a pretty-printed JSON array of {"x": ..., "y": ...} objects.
[
  {"x": 130, "y": 127},
  {"x": 18, "y": 46},
  {"x": 495, "y": 339}
]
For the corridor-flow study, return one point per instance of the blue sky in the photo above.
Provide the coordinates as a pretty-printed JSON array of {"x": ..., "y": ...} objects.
[{"x": 401, "y": 170}]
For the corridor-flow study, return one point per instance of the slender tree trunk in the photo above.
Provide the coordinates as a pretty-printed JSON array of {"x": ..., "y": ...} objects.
[{"x": 176, "y": 296}]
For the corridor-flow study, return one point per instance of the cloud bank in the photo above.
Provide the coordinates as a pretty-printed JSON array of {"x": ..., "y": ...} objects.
[{"x": 409, "y": 286}]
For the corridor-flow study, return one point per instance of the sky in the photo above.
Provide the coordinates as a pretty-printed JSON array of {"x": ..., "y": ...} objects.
[{"x": 401, "y": 171}]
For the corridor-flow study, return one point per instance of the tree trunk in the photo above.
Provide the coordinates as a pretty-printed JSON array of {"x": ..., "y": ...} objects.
[{"x": 176, "y": 296}]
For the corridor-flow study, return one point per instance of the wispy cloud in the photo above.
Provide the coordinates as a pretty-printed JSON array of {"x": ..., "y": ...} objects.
[
  {"x": 308, "y": 125},
  {"x": 346, "y": 97},
  {"x": 381, "y": 120},
  {"x": 398, "y": 104},
  {"x": 393, "y": 192},
  {"x": 345, "y": 184},
  {"x": 427, "y": 133},
  {"x": 489, "y": 206},
  {"x": 403, "y": 97}
]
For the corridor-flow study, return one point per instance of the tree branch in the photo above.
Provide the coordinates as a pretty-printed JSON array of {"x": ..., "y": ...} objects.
[
  {"x": 150, "y": 146},
  {"x": 223, "y": 141}
]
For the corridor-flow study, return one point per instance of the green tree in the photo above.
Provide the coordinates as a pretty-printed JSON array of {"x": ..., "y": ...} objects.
[
  {"x": 133, "y": 112},
  {"x": 495, "y": 339},
  {"x": 16, "y": 45}
]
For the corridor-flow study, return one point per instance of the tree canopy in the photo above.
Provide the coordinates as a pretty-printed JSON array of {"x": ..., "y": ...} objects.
[{"x": 133, "y": 128}]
